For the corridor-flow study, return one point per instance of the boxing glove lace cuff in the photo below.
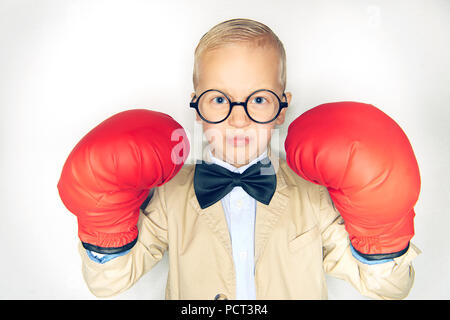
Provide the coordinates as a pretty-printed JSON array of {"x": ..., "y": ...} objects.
[
  {"x": 381, "y": 256},
  {"x": 110, "y": 250}
]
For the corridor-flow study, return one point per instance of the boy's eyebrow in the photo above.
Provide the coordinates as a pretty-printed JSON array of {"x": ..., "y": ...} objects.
[
  {"x": 222, "y": 90},
  {"x": 233, "y": 98}
]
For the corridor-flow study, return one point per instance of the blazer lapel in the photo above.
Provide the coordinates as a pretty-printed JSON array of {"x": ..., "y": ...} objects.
[
  {"x": 214, "y": 215},
  {"x": 268, "y": 215},
  {"x": 215, "y": 219}
]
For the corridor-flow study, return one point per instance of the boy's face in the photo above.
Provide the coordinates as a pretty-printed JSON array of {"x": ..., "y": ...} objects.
[{"x": 238, "y": 70}]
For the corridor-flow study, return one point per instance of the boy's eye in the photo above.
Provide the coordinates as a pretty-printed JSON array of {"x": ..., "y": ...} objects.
[
  {"x": 219, "y": 100},
  {"x": 258, "y": 100}
]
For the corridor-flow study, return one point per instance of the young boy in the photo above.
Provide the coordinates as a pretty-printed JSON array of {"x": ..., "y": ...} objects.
[{"x": 273, "y": 239}]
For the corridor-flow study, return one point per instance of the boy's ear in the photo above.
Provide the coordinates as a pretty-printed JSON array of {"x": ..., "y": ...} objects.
[
  {"x": 289, "y": 97},
  {"x": 282, "y": 115}
]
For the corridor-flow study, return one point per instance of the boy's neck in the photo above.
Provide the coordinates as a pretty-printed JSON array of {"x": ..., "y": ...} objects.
[{"x": 233, "y": 167}]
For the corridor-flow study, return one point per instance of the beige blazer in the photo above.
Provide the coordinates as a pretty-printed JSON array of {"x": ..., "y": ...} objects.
[{"x": 299, "y": 237}]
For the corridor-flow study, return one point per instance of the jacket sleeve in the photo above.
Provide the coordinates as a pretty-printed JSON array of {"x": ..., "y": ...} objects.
[
  {"x": 119, "y": 274},
  {"x": 388, "y": 279}
]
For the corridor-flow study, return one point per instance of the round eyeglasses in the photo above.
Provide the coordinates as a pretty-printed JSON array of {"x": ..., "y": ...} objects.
[{"x": 261, "y": 106}]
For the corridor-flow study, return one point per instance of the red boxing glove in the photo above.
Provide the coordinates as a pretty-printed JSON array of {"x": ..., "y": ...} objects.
[
  {"x": 368, "y": 166},
  {"x": 109, "y": 173}
]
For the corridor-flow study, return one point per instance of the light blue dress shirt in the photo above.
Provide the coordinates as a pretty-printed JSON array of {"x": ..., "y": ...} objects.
[{"x": 240, "y": 212}]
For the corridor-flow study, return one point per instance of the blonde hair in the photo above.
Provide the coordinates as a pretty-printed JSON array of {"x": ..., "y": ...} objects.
[{"x": 244, "y": 31}]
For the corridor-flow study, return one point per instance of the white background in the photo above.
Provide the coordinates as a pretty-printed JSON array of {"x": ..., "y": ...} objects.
[{"x": 67, "y": 65}]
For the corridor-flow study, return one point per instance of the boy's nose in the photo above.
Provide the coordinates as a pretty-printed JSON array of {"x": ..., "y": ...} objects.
[{"x": 238, "y": 118}]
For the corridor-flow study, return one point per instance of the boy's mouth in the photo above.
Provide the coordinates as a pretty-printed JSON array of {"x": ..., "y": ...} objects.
[{"x": 238, "y": 141}]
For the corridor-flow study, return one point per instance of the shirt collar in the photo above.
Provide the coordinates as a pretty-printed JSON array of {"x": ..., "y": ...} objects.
[{"x": 232, "y": 168}]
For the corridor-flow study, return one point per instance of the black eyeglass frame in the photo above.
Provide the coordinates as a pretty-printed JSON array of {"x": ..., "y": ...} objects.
[{"x": 281, "y": 105}]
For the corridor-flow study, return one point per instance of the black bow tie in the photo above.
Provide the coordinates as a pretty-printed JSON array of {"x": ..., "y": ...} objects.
[{"x": 213, "y": 182}]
